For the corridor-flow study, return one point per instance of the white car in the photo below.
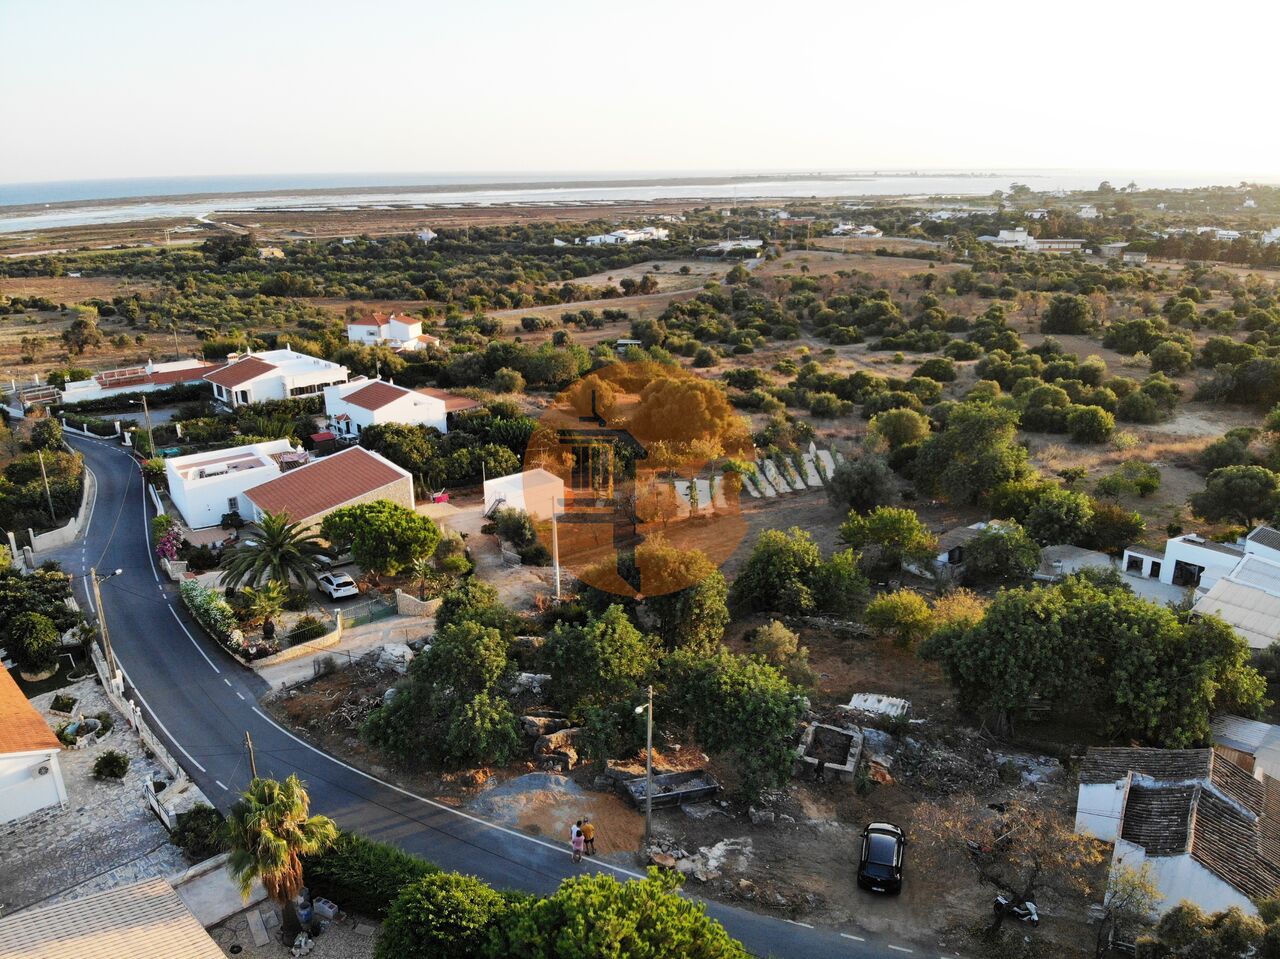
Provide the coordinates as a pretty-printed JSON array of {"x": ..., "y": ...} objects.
[{"x": 338, "y": 585}]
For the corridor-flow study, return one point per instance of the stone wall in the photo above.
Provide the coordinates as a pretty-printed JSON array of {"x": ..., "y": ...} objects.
[
  {"x": 407, "y": 605},
  {"x": 66, "y": 534},
  {"x": 301, "y": 650},
  {"x": 400, "y": 491}
]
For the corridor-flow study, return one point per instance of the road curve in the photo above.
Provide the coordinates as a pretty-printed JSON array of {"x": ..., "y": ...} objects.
[{"x": 202, "y": 702}]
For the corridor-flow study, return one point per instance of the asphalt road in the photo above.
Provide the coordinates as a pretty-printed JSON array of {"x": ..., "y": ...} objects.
[{"x": 203, "y": 702}]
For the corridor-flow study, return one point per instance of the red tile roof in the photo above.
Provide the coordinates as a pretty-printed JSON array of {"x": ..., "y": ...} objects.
[
  {"x": 452, "y": 403},
  {"x": 168, "y": 377},
  {"x": 240, "y": 372},
  {"x": 376, "y": 395},
  {"x": 326, "y": 484},
  {"x": 22, "y": 728},
  {"x": 377, "y": 319}
]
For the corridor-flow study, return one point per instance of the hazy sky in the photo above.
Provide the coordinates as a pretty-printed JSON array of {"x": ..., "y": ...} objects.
[{"x": 126, "y": 88}]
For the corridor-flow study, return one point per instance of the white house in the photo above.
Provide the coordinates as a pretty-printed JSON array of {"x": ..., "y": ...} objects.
[
  {"x": 426, "y": 234},
  {"x": 737, "y": 243},
  {"x": 1134, "y": 259},
  {"x": 30, "y": 777},
  {"x": 852, "y": 229},
  {"x": 948, "y": 562},
  {"x": 136, "y": 379},
  {"x": 1037, "y": 214},
  {"x": 204, "y": 486},
  {"x": 1187, "y": 560},
  {"x": 1253, "y": 746},
  {"x": 397, "y": 331},
  {"x": 1017, "y": 239},
  {"x": 1250, "y": 203},
  {"x": 642, "y": 235},
  {"x": 1193, "y": 816},
  {"x": 309, "y": 493},
  {"x": 1271, "y": 236},
  {"x": 538, "y": 492},
  {"x": 1112, "y": 249},
  {"x": 272, "y": 375},
  {"x": 1087, "y": 212},
  {"x": 362, "y": 402}
]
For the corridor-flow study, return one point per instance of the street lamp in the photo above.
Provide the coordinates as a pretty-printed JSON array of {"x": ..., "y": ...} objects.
[
  {"x": 146, "y": 412},
  {"x": 648, "y": 769},
  {"x": 107, "y": 652}
]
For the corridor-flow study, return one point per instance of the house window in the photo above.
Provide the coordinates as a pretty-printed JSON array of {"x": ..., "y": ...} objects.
[
  {"x": 242, "y": 396},
  {"x": 233, "y": 504},
  {"x": 1155, "y": 570}
]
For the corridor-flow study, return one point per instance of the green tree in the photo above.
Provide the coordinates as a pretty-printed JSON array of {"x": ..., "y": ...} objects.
[
  {"x": 1186, "y": 930},
  {"x": 384, "y": 537},
  {"x": 1172, "y": 358},
  {"x": 900, "y": 427},
  {"x": 1113, "y": 527},
  {"x": 1001, "y": 553},
  {"x": 1240, "y": 494},
  {"x": 46, "y": 434},
  {"x": 740, "y": 709},
  {"x": 1068, "y": 313},
  {"x": 862, "y": 483},
  {"x": 889, "y": 536},
  {"x": 33, "y": 640},
  {"x": 1090, "y": 424},
  {"x": 975, "y": 452},
  {"x": 840, "y": 587},
  {"x": 781, "y": 647},
  {"x": 1060, "y": 516},
  {"x": 265, "y": 602},
  {"x": 82, "y": 334},
  {"x": 444, "y": 916},
  {"x": 596, "y": 915},
  {"x": 269, "y": 830},
  {"x": 282, "y": 552},
  {"x": 602, "y": 662},
  {"x": 1131, "y": 900},
  {"x": 904, "y": 615},
  {"x": 779, "y": 573}
]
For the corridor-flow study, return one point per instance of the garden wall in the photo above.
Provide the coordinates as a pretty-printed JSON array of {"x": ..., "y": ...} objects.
[
  {"x": 407, "y": 605},
  {"x": 66, "y": 534}
]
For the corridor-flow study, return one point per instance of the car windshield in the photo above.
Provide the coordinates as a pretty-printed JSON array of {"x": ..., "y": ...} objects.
[{"x": 880, "y": 851}]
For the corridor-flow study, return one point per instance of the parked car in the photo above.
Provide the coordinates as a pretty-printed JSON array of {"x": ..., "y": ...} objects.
[
  {"x": 338, "y": 585},
  {"x": 880, "y": 866},
  {"x": 333, "y": 562}
]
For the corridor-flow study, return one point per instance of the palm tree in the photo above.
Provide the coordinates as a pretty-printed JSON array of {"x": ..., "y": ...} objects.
[
  {"x": 270, "y": 831},
  {"x": 283, "y": 552},
  {"x": 265, "y": 602}
]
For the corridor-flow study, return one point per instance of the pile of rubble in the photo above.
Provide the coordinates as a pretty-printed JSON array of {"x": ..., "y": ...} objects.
[{"x": 708, "y": 863}]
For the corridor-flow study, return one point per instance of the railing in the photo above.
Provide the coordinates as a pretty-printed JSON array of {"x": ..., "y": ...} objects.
[
  {"x": 114, "y": 687},
  {"x": 368, "y": 612}
]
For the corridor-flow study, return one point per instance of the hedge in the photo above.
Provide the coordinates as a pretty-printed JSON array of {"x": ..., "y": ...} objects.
[
  {"x": 123, "y": 402},
  {"x": 362, "y": 875}
]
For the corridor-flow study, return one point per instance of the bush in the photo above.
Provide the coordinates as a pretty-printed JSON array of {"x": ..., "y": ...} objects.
[
  {"x": 363, "y": 875},
  {"x": 200, "y": 833},
  {"x": 34, "y": 642},
  {"x": 442, "y": 916},
  {"x": 112, "y": 764},
  {"x": 1090, "y": 424},
  {"x": 305, "y": 629}
]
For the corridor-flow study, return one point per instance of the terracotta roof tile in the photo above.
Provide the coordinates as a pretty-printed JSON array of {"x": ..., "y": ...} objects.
[
  {"x": 376, "y": 395},
  {"x": 326, "y": 484},
  {"x": 22, "y": 728},
  {"x": 239, "y": 372},
  {"x": 168, "y": 377},
  {"x": 1109, "y": 764},
  {"x": 452, "y": 403}
]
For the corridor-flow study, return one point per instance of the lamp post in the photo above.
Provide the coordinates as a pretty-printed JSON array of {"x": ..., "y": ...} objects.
[
  {"x": 107, "y": 652},
  {"x": 648, "y": 768},
  {"x": 146, "y": 412}
]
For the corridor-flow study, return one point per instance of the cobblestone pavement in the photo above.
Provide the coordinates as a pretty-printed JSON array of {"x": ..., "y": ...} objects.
[
  {"x": 106, "y": 836},
  {"x": 352, "y": 938}
]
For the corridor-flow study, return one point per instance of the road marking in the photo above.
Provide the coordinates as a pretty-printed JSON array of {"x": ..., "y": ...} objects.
[
  {"x": 899, "y": 948},
  {"x": 94, "y": 502},
  {"x": 218, "y": 782},
  {"x": 88, "y": 594},
  {"x": 797, "y": 923},
  {"x": 854, "y": 938},
  {"x": 156, "y": 719},
  {"x": 554, "y": 847},
  {"x": 225, "y": 680},
  {"x": 146, "y": 530},
  {"x": 240, "y": 694},
  {"x": 194, "y": 643}
]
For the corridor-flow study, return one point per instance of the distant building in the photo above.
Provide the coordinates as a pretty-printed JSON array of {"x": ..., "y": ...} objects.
[
  {"x": 397, "y": 331},
  {"x": 948, "y": 563},
  {"x": 426, "y": 235},
  {"x": 205, "y": 486},
  {"x": 737, "y": 243},
  {"x": 311, "y": 492},
  {"x": 1058, "y": 245},
  {"x": 1250, "y": 203},
  {"x": 30, "y": 777},
  {"x": 1110, "y": 250},
  {"x": 1134, "y": 259},
  {"x": 1037, "y": 214},
  {"x": 1020, "y": 239},
  {"x": 1087, "y": 212},
  {"x": 270, "y": 253},
  {"x": 1201, "y": 824},
  {"x": 852, "y": 229},
  {"x": 360, "y": 403},
  {"x": 272, "y": 375},
  {"x": 1252, "y": 745},
  {"x": 642, "y": 235},
  {"x": 1271, "y": 236},
  {"x": 136, "y": 379}
]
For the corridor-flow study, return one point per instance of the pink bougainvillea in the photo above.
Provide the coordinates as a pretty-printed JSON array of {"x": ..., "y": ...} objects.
[{"x": 167, "y": 548}]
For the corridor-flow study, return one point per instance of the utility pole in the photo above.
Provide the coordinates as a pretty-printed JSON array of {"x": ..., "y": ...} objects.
[
  {"x": 146, "y": 413},
  {"x": 253, "y": 765},
  {"x": 648, "y": 770},
  {"x": 45, "y": 477},
  {"x": 108, "y": 653},
  {"x": 555, "y": 551}
]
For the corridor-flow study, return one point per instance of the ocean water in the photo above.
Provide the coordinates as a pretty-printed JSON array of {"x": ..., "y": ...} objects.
[{"x": 117, "y": 201}]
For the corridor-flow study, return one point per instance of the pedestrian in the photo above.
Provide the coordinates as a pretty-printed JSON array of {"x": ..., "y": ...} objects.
[
  {"x": 576, "y": 841},
  {"x": 589, "y": 837}
]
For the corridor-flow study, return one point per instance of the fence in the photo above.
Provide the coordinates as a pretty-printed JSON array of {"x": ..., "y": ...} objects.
[{"x": 368, "y": 612}]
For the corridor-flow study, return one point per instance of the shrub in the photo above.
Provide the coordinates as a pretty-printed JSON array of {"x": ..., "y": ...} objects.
[
  {"x": 1090, "y": 424},
  {"x": 112, "y": 764},
  {"x": 903, "y": 615},
  {"x": 365, "y": 876},
  {"x": 34, "y": 641},
  {"x": 210, "y": 610},
  {"x": 305, "y": 629},
  {"x": 441, "y": 916},
  {"x": 200, "y": 833}
]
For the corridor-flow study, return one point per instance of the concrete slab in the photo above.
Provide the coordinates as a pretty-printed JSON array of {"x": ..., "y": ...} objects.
[
  {"x": 210, "y": 893},
  {"x": 257, "y": 929}
]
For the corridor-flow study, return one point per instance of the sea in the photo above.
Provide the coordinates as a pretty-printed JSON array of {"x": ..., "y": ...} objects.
[{"x": 40, "y": 206}]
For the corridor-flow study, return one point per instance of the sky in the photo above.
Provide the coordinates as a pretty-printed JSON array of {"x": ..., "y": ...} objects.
[{"x": 133, "y": 88}]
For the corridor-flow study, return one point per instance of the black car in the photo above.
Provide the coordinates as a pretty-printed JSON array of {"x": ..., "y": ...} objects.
[{"x": 880, "y": 866}]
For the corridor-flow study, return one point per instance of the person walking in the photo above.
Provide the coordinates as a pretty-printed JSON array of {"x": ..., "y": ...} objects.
[
  {"x": 588, "y": 837},
  {"x": 576, "y": 841}
]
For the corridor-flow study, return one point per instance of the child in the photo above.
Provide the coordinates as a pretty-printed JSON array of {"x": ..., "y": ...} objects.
[{"x": 576, "y": 841}]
